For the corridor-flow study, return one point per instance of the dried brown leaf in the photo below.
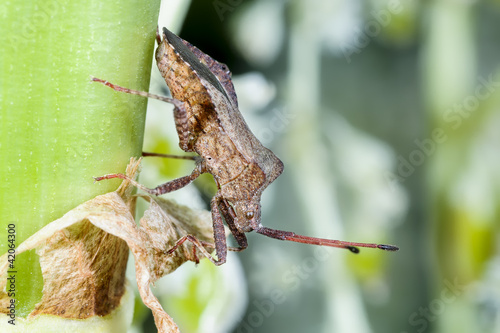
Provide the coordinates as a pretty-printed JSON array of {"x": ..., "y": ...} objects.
[{"x": 83, "y": 254}]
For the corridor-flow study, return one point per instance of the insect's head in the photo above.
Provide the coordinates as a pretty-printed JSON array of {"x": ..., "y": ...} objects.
[{"x": 247, "y": 215}]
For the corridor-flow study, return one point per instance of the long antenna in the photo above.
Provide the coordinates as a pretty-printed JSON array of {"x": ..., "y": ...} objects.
[{"x": 293, "y": 237}]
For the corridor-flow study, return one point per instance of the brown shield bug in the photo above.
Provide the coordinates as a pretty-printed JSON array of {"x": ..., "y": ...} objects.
[{"x": 210, "y": 124}]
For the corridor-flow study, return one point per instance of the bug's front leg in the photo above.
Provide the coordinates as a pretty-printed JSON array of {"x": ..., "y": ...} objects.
[{"x": 230, "y": 216}]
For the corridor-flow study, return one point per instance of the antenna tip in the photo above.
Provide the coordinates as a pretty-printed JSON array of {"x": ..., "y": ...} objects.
[
  {"x": 353, "y": 249},
  {"x": 386, "y": 247}
]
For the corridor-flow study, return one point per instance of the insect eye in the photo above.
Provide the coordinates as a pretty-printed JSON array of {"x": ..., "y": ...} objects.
[{"x": 249, "y": 215}]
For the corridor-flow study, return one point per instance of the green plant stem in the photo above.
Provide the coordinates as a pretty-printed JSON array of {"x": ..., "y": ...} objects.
[{"x": 58, "y": 129}]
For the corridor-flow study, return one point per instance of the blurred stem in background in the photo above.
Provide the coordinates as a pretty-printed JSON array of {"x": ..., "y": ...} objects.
[
  {"x": 463, "y": 189},
  {"x": 59, "y": 129},
  {"x": 308, "y": 155}
]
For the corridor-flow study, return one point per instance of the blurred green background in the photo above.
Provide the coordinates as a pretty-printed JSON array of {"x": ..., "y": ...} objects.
[{"x": 386, "y": 116}]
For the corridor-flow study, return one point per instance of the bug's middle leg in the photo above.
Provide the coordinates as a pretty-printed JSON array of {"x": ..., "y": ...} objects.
[{"x": 167, "y": 187}]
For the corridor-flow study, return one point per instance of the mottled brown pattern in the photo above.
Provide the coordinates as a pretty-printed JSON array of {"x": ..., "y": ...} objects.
[
  {"x": 184, "y": 86},
  {"x": 221, "y": 158},
  {"x": 242, "y": 188}
]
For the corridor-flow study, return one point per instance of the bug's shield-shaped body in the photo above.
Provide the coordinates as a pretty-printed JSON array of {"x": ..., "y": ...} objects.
[
  {"x": 212, "y": 126},
  {"x": 209, "y": 123}
]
